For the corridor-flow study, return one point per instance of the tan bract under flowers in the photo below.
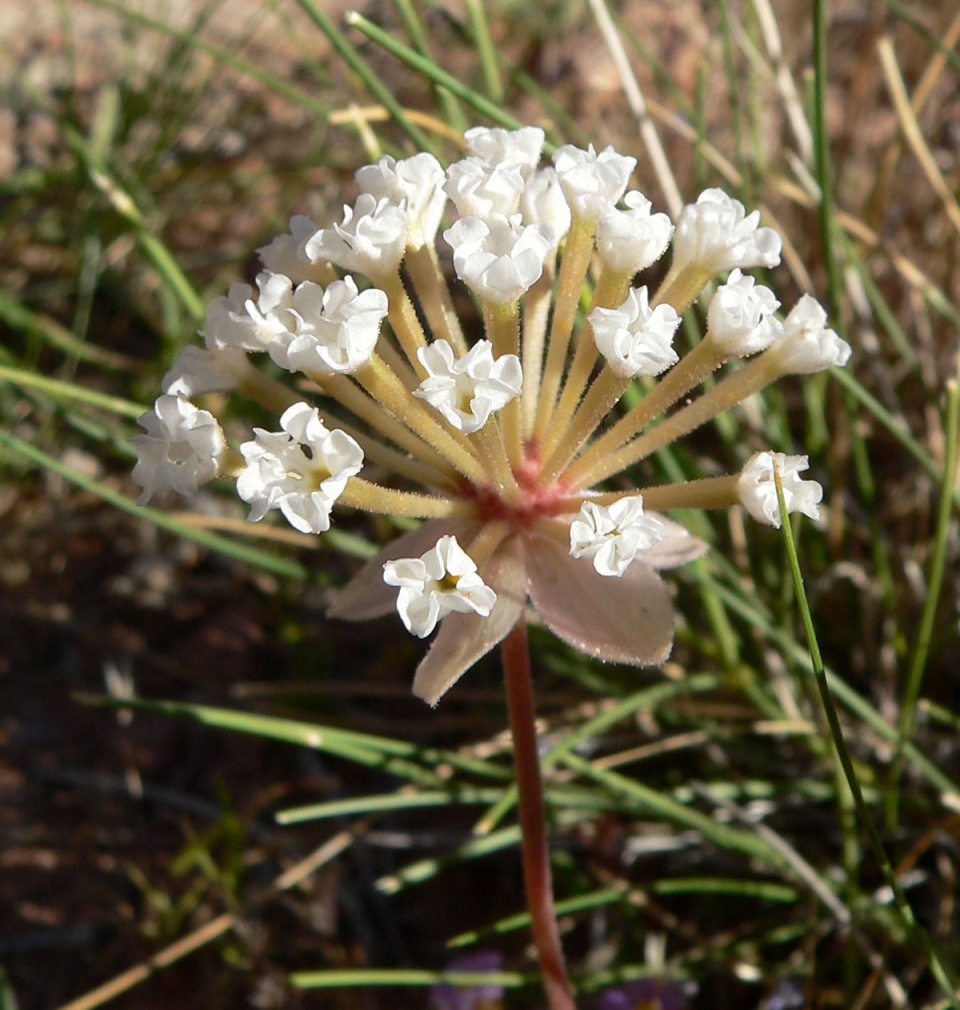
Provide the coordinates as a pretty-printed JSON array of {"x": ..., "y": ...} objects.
[{"x": 506, "y": 441}]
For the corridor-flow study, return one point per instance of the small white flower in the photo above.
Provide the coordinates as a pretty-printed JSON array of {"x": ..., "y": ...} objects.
[
  {"x": 635, "y": 339},
  {"x": 238, "y": 320},
  {"x": 757, "y": 489},
  {"x": 371, "y": 240},
  {"x": 301, "y": 470},
  {"x": 612, "y": 537},
  {"x": 438, "y": 583},
  {"x": 741, "y": 317},
  {"x": 286, "y": 255},
  {"x": 335, "y": 330},
  {"x": 495, "y": 145},
  {"x": 632, "y": 239},
  {"x": 592, "y": 181},
  {"x": 199, "y": 371},
  {"x": 717, "y": 234},
  {"x": 181, "y": 449},
  {"x": 419, "y": 182},
  {"x": 479, "y": 189},
  {"x": 543, "y": 201},
  {"x": 807, "y": 345},
  {"x": 467, "y": 391},
  {"x": 499, "y": 259}
]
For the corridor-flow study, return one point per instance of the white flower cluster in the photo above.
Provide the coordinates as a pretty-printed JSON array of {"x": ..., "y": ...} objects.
[{"x": 506, "y": 435}]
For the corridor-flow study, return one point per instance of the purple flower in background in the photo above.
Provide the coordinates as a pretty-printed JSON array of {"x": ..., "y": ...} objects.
[
  {"x": 644, "y": 994},
  {"x": 470, "y": 997}
]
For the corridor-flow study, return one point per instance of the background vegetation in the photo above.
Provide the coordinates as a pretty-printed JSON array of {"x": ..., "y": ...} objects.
[{"x": 280, "y": 816}]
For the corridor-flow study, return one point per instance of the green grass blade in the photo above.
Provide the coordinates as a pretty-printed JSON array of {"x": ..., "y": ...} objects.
[
  {"x": 350, "y": 977},
  {"x": 388, "y": 801},
  {"x": 360, "y": 67},
  {"x": 919, "y": 935},
  {"x": 486, "y": 50},
  {"x": 70, "y": 391},
  {"x": 434, "y": 73}
]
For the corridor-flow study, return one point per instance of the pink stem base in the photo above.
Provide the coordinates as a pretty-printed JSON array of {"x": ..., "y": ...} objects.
[{"x": 536, "y": 855}]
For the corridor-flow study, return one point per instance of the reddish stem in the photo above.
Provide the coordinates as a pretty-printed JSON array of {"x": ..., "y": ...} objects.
[{"x": 536, "y": 855}]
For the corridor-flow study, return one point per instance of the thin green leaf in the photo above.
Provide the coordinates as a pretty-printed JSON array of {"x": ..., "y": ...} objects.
[
  {"x": 346, "y": 978},
  {"x": 70, "y": 391}
]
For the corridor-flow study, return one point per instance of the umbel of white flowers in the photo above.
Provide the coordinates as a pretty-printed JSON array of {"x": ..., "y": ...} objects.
[{"x": 502, "y": 445}]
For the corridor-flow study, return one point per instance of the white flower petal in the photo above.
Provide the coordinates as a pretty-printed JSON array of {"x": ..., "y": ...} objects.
[
  {"x": 543, "y": 202},
  {"x": 199, "y": 371},
  {"x": 591, "y": 182},
  {"x": 633, "y": 239},
  {"x": 635, "y": 339},
  {"x": 418, "y": 181},
  {"x": 371, "y": 240},
  {"x": 757, "y": 488},
  {"x": 463, "y": 639},
  {"x": 285, "y": 254},
  {"x": 613, "y": 536},
  {"x": 717, "y": 234},
  {"x": 181, "y": 449},
  {"x": 741, "y": 317},
  {"x": 807, "y": 345},
  {"x": 442, "y": 581},
  {"x": 495, "y": 145},
  {"x": 480, "y": 189},
  {"x": 301, "y": 470}
]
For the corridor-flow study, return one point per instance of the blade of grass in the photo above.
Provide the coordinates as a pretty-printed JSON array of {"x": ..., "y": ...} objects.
[
  {"x": 19, "y": 317},
  {"x": 916, "y": 932},
  {"x": 486, "y": 50},
  {"x": 348, "y": 977},
  {"x": 69, "y": 391},
  {"x": 645, "y": 700},
  {"x": 388, "y": 801},
  {"x": 286, "y": 567},
  {"x": 434, "y": 73},
  {"x": 360, "y": 67},
  {"x": 934, "y": 586}
]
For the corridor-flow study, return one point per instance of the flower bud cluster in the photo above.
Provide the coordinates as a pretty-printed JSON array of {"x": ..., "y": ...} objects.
[{"x": 506, "y": 436}]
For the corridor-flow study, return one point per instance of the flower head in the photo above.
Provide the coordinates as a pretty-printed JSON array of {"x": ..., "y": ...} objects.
[
  {"x": 439, "y": 582},
  {"x": 301, "y": 470},
  {"x": 499, "y": 258},
  {"x": 757, "y": 487},
  {"x": 635, "y": 339},
  {"x": 371, "y": 240},
  {"x": 333, "y": 330},
  {"x": 467, "y": 391},
  {"x": 631, "y": 240},
  {"x": 613, "y": 536},
  {"x": 496, "y": 146},
  {"x": 807, "y": 345},
  {"x": 591, "y": 182},
  {"x": 286, "y": 254},
  {"x": 741, "y": 317},
  {"x": 509, "y": 459},
  {"x": 418, "y": 183},
  {"x": 181, "y": 449},
  {"x": 199, "y": 371},
  {"x": 717, "y": 234}
]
